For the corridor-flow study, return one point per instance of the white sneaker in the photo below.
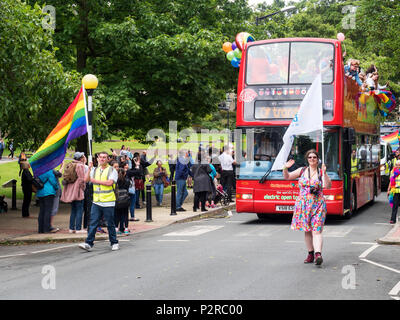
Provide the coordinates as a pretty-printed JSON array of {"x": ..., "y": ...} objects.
[
  {"x": 115, "y": 247},
  {"x": 71, "y": 231},
  {"x": 85, "y": 246},
  {"x": 80, "y": 231}
]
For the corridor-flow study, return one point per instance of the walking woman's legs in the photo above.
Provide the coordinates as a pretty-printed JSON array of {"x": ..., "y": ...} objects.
[
  {"x": 317, "y": 240},
  {"x": 308, "y": 237}
]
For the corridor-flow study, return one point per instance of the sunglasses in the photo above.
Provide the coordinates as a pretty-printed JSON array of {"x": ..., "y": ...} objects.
[{"x": 312, "y": 157}]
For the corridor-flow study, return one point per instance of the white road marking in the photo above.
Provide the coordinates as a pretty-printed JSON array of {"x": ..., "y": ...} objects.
[
  {"x": 13, "y": 255},
  {"x": 366, "y": 243},
  {"x": 381, "y": 265},
  {"x": 396, "y": 289},
  {"x": 52, "y": 249},
  {"x": 171, "y": 240},
  {"x": 261, "y": 231},
  {"x": 368, "y": 251},
  {"x": 193, "y": 231}
]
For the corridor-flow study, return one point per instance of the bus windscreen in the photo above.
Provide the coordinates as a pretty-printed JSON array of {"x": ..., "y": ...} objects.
[{"x": 289, "y": 63}]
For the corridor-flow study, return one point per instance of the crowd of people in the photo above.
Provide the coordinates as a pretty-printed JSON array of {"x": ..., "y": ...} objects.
[
  {"x": 107, "y": 191},
  {"x": 367, "y": 80}
]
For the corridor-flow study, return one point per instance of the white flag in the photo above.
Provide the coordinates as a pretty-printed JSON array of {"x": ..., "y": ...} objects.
[{"x": 309, "y": 118}]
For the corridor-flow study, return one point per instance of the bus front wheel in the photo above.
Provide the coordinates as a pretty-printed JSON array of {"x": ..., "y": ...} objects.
[{"x": 353, "y": 206}]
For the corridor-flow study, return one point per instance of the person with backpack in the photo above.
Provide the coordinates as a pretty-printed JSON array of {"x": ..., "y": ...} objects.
[
  {"x": 122, "y": 202},
  {"x": 310, "y": 206},
  {"x": 74, "y": 190}
]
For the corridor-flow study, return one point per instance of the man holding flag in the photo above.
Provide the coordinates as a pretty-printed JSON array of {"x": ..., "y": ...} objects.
[
  {"x": 51, "y": 154},
  {"x": 310, "y": 207}
]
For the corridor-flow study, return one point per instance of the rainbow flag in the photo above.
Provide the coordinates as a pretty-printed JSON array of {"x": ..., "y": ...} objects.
[
  {"x": 392, "y": 139},
  {"x": 71, "y": 126}
]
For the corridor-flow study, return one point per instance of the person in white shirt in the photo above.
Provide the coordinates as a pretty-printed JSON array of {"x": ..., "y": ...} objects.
[
  {"x": 104, "y": 177},
  {"x": 227, "y": 175}
]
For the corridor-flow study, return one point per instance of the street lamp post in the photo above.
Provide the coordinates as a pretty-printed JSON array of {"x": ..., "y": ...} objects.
[
  {"x": 289, "y": 8},
  {"x": 90, "y": 83}
]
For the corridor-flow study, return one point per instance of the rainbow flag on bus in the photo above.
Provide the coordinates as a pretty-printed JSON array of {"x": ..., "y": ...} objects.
[
  {"x": 72, "y": 125},
  {"x": 392, "y": 139}
]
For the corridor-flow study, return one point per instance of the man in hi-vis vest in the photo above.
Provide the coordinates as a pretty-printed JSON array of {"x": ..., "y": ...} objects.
[{"x": 103, "y": 178}]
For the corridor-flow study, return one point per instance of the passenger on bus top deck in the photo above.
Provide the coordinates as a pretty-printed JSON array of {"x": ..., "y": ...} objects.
[{"x": 351, "y": 71}]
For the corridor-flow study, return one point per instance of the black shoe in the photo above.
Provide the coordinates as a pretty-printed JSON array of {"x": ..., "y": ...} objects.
[
  {"x": 181, "y": 209},
  {"x": 204, "y": 210},
  {"x": 194, "y": 209}
]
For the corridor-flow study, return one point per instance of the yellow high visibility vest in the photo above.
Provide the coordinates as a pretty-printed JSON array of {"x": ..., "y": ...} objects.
[
  {"x": 103, "y": 193},
  {"x": 354, "y": 164}
]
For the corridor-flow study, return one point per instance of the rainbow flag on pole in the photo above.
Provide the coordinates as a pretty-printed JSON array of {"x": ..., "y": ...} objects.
[
  {"x": 71, "y": 126},
  {"x": 392, "y": 139}
]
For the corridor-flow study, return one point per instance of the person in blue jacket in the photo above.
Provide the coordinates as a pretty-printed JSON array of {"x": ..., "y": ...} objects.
[
  {"x": 46, "y": 200},
  {"x": 181, "y": 174}
]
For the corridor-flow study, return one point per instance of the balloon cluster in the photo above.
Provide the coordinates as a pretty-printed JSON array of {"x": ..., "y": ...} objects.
[{"x": 234, "y": 50}]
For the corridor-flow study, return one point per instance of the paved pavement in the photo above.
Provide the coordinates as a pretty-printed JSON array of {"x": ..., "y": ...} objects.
[{"x": 17, "y": 230}]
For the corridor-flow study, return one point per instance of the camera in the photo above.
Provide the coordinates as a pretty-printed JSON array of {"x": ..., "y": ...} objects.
[{"x": 314, "y": 191}]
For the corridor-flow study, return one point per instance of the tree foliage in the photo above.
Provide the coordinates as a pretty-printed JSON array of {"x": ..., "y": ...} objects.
[{"x": 160, "y": 60}]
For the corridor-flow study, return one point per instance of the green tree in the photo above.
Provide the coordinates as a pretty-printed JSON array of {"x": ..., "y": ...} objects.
[{"x": 34, "y": 88}]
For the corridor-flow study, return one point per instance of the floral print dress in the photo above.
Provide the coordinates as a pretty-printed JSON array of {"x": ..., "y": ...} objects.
[{"x": 309, "y": 209}]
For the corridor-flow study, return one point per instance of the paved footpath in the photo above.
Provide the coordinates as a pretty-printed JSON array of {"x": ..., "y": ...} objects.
[{"x": 17, "y": 230}]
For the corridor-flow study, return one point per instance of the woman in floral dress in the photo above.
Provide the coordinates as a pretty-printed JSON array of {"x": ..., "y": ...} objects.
[{"x": 310, "y": 207}]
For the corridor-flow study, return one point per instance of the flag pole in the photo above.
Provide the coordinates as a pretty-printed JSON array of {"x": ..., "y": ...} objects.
[{"x": 88, "y": 126}]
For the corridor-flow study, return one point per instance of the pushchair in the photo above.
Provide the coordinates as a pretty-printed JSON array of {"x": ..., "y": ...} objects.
[
  {"x": 3, "y": 205},
  {"x": 221, "y": 196}
]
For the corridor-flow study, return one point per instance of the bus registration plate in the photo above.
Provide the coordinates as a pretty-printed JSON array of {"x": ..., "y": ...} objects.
[{"x": 284, "y": 208}]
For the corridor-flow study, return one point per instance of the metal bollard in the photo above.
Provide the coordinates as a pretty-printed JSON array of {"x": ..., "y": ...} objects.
[
  {"x": 148, "y": 204},
  {"x": 173, "y": 198},
  {"x": 14, "y": 195}
]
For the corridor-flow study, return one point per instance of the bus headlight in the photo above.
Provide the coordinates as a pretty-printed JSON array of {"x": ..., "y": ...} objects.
[
  {"x": 244, "y": 196},
  {"x": 329, "y": 197}
]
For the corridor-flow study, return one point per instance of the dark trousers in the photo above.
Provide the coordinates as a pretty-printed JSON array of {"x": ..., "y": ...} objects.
[
  {"x": 27, "y": 200},
  {"x": 200, "y": 198},
  {"x": 227, "y": 178},
  {"x": 46, "y": 206},
  {"x": 87, "y": 204},
  {"x": 121, "y": 218},
  {"x": 396, "y": 202},
  {"x": 95, "y": 215},
  {"x": 1, "y": 153}
]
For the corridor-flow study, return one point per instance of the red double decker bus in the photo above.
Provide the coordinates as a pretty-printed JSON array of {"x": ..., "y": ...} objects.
[{"x": 274, "y": 77}]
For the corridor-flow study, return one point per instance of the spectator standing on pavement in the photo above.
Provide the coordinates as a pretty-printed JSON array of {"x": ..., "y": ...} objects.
[
  {"x": 26, "y": 183},
  {"x": 202, "y": 183},
  {"x": 2, "y": 147},
  {"x": 172, "y": 167},
  {"x": 181, "y": 174},
  {"x": 121, "y": 209},
  {"x": 190, "y": 164},
  {"x": 46, "y": 200},
  {"x": 159, "y": 176},
  {"x": 227, "y": 175},
  {"x": 146, "y": 175},
  {"x": 11, "y": 149},
  {"x": 310, "y": 207},
  {"x": 103, "y": 178},
  {"x": 394, "y": 191},
  {"x": 56, "y": 204},
  {"x": 135, "y": 173},
  {"x": 74, "y": 190}
]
